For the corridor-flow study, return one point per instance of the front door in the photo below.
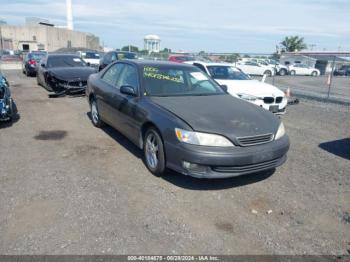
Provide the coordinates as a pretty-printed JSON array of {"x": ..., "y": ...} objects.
[
  {"x": 106, "y": 93},
  {"x": 125, "y": 106}
]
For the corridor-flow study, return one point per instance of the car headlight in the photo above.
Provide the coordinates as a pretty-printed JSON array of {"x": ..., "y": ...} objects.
[
  {"x": 280, "y": 132},
  {"x": 202, "y": 139},
  {"x": 248, "y": 97}
]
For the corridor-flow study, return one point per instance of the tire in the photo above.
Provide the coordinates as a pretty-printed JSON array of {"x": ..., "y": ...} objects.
[
  {"x": 153, "y": 151},
  {"x": 292, "y": 73},
  {"x": 314, "y": 73},
  {"x": 27, "y": 73},
  {"x": 282, "y": 72},
  {"x": 95, "y": 115},
  {"x": 268, "y": 73}
]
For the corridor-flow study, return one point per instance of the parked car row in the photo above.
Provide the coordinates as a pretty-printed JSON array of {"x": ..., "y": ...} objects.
[{"x": 194, "y": 119}]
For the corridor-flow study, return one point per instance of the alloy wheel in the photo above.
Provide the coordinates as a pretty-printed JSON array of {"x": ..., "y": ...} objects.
[
  {"x": 152, "y": 151},
  {"x": 94, "y": 113}
]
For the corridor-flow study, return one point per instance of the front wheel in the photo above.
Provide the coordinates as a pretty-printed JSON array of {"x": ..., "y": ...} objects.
[
  {"x": 154, "y": 152},
  {"x": 95, "y": 115},
  {"x": 268, "y": 73},
  {"x": 283, "y": 72},
  {"x": 292, "y": 73}
]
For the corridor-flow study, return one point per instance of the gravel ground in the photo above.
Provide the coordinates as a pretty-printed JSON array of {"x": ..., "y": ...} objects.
[{"x": 70, "y": 188}]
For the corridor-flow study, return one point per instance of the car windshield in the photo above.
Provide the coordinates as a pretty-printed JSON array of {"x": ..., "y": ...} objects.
[
  {"x": 172, "y": 81},
  {"x": 227, "y": 73},
  {"x": 65, "y": 61},
  {"x": 36, "y": 56},
  {"x": 91, "y": 55}
]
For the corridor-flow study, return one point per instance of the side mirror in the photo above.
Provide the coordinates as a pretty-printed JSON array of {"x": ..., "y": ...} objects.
[
  {"x": 128, "y": 90},
  {"x": 224, "y": 88}
]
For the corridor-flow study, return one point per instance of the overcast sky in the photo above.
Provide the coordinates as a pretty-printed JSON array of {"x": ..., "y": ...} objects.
[{"x": 194, "y": 25}]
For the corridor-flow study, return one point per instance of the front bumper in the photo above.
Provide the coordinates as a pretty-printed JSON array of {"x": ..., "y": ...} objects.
[
  {"x": 276, "y": 108},
  {"x": 31, "y": 69},
  {"x": 213, "y": 162}
]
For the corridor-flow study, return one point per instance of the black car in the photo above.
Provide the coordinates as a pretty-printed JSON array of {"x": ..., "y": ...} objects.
[
  {"x": 344, "y": 70},
  {"x": 114, "y": 56},
  {"x": 184, "y": 121},
  {"x": 29, "y": 64},
  {"x": 63, "y": 73},
  {"x": 7, "y": 106}
]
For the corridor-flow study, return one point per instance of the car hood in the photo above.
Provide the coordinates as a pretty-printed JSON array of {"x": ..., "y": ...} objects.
[
  {"x": 220, "y": 114},
  {"x": 72, "y": 73},
  {"x": 250, "y": 87}
]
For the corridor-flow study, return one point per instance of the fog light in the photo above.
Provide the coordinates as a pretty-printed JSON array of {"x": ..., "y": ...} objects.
[{"x": 194, "y": 167}]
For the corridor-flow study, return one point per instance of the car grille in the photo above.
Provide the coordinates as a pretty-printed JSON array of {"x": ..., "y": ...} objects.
[
  {"x": 77, "y": 83},
  {"x": 254, "y": 140},
  {"x": 270, "y": 100},
  {"x": 247, "y": 168},
  {"x": 279, "y": 99}
]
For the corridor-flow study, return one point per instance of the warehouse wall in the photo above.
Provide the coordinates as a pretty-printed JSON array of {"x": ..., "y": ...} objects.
[{"x": 52, "y": 38}]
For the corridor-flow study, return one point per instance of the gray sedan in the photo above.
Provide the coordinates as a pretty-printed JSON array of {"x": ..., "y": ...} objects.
[{"x": 185, "y": 121}]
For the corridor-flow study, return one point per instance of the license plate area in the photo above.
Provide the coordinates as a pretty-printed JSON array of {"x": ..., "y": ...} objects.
[{"x": 273, "y": 109}]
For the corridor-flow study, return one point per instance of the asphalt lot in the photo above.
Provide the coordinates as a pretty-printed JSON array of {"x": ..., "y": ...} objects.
[{"x": 69, "y": 188}]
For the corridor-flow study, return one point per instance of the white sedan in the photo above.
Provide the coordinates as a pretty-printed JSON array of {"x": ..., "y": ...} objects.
[
  {"x": 253, "y": 68},
  {"x": 242, "y": 86},
  {"x": 299, "y": 69}
]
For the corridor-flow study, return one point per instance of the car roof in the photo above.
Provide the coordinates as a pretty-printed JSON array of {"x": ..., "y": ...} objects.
[
  {"x": 122, "y": 52},
  {"x": 210, "y": 63},
  {"x": 142, "y": 63},
  {"x": 61, "y": 55}
]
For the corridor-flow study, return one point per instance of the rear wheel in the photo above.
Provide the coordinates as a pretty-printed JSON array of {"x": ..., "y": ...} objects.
[
  {"x": 95, "y": 115},
  {"x": 154, "y": 152},
  {"x": 314, "y": 73},
  {"x": 292, "y": 73}
]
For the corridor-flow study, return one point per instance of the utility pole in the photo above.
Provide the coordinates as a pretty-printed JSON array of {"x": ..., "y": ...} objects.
[{"x": 2, "y": 43}]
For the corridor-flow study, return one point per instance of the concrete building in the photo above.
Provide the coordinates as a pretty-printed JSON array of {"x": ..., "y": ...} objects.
[
  {"x": 152, "y": 43},
  {"x": 44, "y": 37}
]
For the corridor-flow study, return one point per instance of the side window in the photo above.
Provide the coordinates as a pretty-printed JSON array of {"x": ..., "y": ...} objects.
[
  {"x": 129, "y": 77},
  {"x": 112, "y": 74}
]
